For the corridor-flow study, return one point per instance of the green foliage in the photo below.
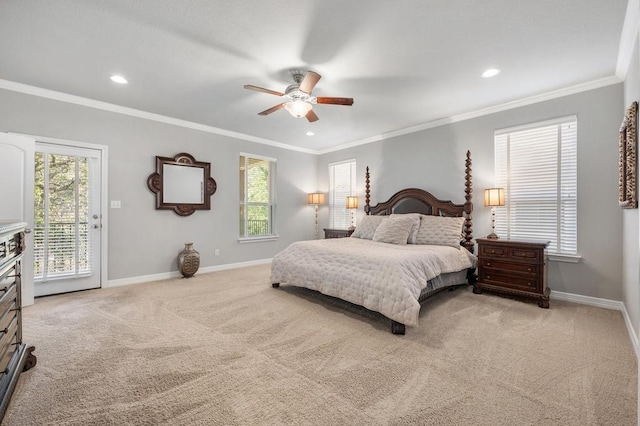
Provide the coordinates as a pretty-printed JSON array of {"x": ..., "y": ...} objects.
[{"x": 62, "y": 198}]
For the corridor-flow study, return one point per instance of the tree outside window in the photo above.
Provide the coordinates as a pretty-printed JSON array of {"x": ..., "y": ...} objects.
[{"x": 257, "y": 196}]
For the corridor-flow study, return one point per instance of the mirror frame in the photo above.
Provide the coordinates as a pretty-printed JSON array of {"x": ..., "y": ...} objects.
[{"x": 155, "y": 184}]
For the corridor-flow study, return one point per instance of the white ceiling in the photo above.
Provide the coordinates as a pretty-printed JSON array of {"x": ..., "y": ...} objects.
[{"x": 405, "y": 62}]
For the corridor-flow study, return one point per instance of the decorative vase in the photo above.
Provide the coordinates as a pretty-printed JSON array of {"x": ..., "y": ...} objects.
[{"x": 188, "y": 261}]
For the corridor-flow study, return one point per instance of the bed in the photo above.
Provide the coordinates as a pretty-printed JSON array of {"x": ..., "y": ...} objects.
[{"x": 403, "y": 251}]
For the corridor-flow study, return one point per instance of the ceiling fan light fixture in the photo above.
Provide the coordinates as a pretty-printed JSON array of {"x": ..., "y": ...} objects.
[{"x": 298, "y": 108}]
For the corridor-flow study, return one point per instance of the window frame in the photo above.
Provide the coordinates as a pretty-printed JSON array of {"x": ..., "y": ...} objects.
[
  {"x": 566, "y": 163},
  {"x": 341, "y": 202},
  {"x": 245, "y": 203}
]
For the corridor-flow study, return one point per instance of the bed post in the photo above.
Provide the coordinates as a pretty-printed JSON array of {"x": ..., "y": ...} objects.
[
  {"x": 367, "y": 198},
  {"x": 468, "y": 205}
]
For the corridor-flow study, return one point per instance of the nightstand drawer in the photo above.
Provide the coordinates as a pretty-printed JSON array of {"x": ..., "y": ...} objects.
[
  {"x": 493, "y": 251},
  {"x": 506, "y": 265},
  {"x": 526, "y": 254},
  {"x": 507, "y": 280}
]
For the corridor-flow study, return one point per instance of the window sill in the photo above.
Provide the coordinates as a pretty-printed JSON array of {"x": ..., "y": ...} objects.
[
  {"x": 568, "y": 258},
  {"x": 244, "y": 240}
]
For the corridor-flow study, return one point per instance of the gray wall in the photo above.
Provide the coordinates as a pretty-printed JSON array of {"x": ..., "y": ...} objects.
[
  {"x": 631, "y": 241},
  {"x": 144, "y": 241},
  {"x": 434, "y": 159}
]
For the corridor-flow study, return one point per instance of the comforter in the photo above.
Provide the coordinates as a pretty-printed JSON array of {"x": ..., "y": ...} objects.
[{"x": 385, "y": 278}]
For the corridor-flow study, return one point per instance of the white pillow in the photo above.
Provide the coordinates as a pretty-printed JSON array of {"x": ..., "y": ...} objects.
[
  {"x": 367, "y": 227},
  {"x": 440, "y": 231},
  {"x": 413, "y": 232},
  {"x": 394, "y": 230}
]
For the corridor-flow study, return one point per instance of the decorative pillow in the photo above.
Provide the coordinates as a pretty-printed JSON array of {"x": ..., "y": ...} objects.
[
  {"x": 367, "y": 227},
  {"x": 394, "y": 230},
  {"x": 413, "y": 232},
  {"x": 440, "y": 231}
]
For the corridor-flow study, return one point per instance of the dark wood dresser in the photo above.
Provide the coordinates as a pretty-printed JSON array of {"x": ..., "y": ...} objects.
[
  {"x": 15, "y": 356},
  {"x": 337, "y": 233},
  {"x": 516, "y": 269}
]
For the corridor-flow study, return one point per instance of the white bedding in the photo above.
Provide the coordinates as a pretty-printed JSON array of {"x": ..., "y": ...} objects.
[{"x": 385, "y": 278}]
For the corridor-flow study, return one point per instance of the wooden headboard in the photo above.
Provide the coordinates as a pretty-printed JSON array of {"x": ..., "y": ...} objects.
[{"x": 414, "y": 200}]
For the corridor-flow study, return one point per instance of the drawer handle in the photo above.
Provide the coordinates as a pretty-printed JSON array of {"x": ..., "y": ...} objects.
[
  {"x": 529, "y": 284},
  {"x": 493, "y": 251},
  {"x": 488, "y": 277},
  {"x": 529, "y": 269},
  {"x": 488, "y": 263}
]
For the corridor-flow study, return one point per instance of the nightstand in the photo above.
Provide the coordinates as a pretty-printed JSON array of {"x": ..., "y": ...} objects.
[
  {"x": 337, "y": 233},
  {"x": 515, "y": 269}
]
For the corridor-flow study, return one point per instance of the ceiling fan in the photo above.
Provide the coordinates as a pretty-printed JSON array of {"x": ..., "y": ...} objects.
[{"x": 297, "y": 96}]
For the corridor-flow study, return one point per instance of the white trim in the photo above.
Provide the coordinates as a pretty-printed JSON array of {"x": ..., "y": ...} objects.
[
  {"x": 337, "y": 163},
  {"x": 175, "y": 274},
  {"x": 595, "y": 84},
  {"x": 63, "y": 97},
  {"x": 569, "y": 258},
  {"x": 537, "y": 124},
  {"x": 259, "y": 157},
  {"x": 105, "y": 106},
  {"x": 104, "y": 190},
  {"x": 602, "y": 303},
  {"x": 257, "y": 239},
  {"x": 628, "y": 38}
]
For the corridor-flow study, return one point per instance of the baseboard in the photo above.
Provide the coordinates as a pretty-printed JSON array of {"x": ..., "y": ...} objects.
[
  {"x": 175, "y": 274},
  {"x": 603, "y": 303}
]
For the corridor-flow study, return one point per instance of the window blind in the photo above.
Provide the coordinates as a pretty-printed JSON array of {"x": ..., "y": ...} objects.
[
  {"x": 342, "y": 183},
  {"x": 537, "y": 167}
]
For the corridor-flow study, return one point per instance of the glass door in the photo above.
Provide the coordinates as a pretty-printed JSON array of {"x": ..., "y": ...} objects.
[{"x": 67, "y": 228}]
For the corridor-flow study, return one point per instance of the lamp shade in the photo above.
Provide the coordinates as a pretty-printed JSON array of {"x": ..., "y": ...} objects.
[
  {"x": 315, "y": 198},
  {"x": 352, "y": 202},
  {"x": 297, "y": 108},
  {"x": 494, "y": 197}
]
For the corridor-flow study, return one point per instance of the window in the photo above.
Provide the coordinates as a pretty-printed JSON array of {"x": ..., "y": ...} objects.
[
  {"x": 257, "y": 196},
  {"x": 342, "y": 183},
  {"x": 537, "y": 167},
  {"x": 61, "y": 232}
]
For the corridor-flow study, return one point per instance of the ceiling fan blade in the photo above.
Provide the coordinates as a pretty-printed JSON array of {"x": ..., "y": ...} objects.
[
  {"x": 272, "y": 109},
  {"x": 335, "y": 101},
  {"x": 262, "y": 89},
  {"x": 311, "y": 116},
  {"x": 309, "y": 81}
]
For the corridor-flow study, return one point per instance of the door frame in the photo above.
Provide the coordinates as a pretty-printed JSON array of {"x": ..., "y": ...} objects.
[{"x": 104, "y": 193}]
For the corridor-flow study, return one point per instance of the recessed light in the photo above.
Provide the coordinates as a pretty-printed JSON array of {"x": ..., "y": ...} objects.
[
  {"x": 491, "y": 72},
  {"x": 118, "y": 79},
  {"x": 310, "y": 133}
]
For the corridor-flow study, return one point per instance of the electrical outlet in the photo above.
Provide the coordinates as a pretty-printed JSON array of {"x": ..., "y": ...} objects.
[{"x": 216, "y": 252}]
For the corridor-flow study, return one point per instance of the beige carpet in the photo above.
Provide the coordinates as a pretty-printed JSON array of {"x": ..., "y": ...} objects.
[{"x": 226, "y": 348}]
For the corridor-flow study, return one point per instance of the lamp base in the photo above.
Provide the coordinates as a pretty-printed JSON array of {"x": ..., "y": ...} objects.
[{"x": 492, "y": 236}]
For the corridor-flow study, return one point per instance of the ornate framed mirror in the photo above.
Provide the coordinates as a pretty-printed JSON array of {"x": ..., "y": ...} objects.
[
  {"x": 182, "y": 184},
  {"x": 628, "y": 146}
]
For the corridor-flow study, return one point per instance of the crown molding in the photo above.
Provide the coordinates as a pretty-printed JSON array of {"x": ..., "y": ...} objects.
[
  {"x": 105, "y": 106},
  {"x": 91, "y": 103},
  {"x": 571, "y": 90},
  {"x": 628, "y": 38}
]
